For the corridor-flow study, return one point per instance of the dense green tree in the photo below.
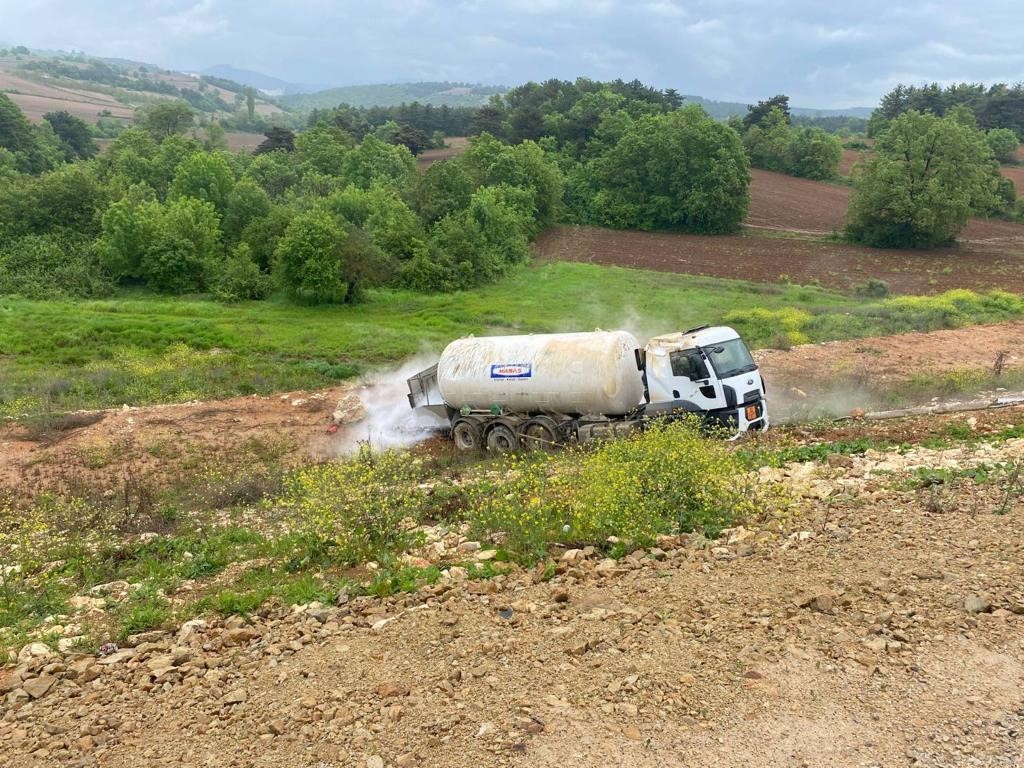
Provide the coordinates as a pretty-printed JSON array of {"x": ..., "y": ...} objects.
[
  {"x": 1004, "y": 144},
  {"x": 767, "y": 141},
  {"x": 479, "y": 243},
  {"x": 216, "y": 136},
  {"x": 928, "y": 175},
  {"x": 487, "y": 119},
  {"x": 204, "y": 176},
  {"x": 127, "y": 230},
  {"x": 167, "y": 119},
  {"x": 392, "y": 225},
  {"x": 681, "y": 170},
  {"x": 170, "y": 247},
  {"x": 813, "y": 154},
  {"x": 373, "y": 161},
  {"x": 756, "y": 113},
  {"x": 442, "y": 189},
  {"x": 277, "y": 138},
  {"x": 314, "y": 262},
  {"x": 323, "y": 149},
  {"x": 15, "y": 129},
  {"x": 263, "y": 233},
  {"x": 69, "y": 198},
  {"x": 35, "y": 148},
  {"x": 996, "y": 106},
  {"x": 250, "y": 102},
  {"x": 75, "y": 139},
  {"x": 246, "y": 203},
  {"x": 184, "y": 242},
  {"x": 411, "y": 138},
  {"x": 238, "y": 277},
  {"x": 274, "y": 172}
]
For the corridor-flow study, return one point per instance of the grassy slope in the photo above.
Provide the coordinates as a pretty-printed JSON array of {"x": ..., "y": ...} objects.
[{"x": 142, "y": 349}]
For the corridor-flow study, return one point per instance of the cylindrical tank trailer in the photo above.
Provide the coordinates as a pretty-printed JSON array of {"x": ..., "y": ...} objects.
[
  {"x": 570, "y": 373},
  {"x": 543, "y": 390}
]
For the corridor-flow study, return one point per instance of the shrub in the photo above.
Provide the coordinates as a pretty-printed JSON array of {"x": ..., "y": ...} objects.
[
  {"x": 1004, "y": 144},
  {"x": 357, "y": 506},
  {"x": 238, "y": 278},
  {"x": 49, "y": 266},
  {"x": 319, "y": 262},
  {"x": 759, "y": 326},
  {"x": 873, "y": 288},
  {"x": 669, "y": 479},
  {"x": 520, "y": 505},
  {"x": 185, "y": 237}
]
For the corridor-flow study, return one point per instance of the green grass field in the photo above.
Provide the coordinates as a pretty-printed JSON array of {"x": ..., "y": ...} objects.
[{"x": 141, "y": 348}]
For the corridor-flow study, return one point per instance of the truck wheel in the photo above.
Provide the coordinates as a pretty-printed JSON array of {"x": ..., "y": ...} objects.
[
  {"x": 502, "y": 439},
  {"x": 539, "y": 434},
  {"x": 466, "y": 436}
]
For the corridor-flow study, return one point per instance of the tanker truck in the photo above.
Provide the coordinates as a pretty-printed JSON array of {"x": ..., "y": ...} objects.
[{"x": 503, "y": 393}]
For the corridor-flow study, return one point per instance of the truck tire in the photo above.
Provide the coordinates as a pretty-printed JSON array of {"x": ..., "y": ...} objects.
[
  {"x": 539, "y": 434},
  {"x": 466, "y": 435},
  {"x": 502, "y": 439}
]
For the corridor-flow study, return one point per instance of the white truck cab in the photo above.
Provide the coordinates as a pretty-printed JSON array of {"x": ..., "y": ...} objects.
[{"x": 706, "y": 370}]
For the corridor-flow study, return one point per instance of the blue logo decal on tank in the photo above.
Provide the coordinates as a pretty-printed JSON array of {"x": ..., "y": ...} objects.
[{"x": 512, "y": 371}]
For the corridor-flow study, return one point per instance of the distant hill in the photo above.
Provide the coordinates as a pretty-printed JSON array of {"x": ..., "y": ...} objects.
[
  {"x": 272, "y": 86},
  {"x": 722, "y": 110},
  {"x": 107, "y": 91},
  {"x": 393, "y": 94}
]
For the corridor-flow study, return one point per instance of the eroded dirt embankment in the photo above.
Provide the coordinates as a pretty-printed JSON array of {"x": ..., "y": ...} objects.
[{"x": 165, "y": 441}]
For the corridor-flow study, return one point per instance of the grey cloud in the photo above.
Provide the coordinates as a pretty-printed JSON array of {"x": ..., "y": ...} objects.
[{"x": 822, "y": 54}]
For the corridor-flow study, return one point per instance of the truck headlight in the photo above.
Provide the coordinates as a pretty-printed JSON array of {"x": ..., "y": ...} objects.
[{"x": 752, "y": 412}]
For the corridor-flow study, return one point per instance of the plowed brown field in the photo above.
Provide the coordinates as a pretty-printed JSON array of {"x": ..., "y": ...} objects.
[
  {"x": 769, "y": 259},
  {"x": 36, "y": 99},
  {"x": 456, "y": 145},
  {"x": 789, "y": 204},
  {"x": 990, "y": 254}
]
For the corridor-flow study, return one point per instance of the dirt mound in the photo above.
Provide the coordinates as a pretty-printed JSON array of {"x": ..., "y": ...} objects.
[
  {"x": 838, "y": 376},
  {"x": 884, "y": 628},
  {"x": 94, "y": 449}
]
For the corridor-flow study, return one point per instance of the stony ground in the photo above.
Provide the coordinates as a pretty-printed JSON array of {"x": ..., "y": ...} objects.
[{"x": 883, "y": 627}]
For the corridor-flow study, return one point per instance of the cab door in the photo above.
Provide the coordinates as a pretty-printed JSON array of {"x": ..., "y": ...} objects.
[{"x": 694, "y": 380}]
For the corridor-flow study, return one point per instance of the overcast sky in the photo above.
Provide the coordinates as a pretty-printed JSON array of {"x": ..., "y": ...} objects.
[{"x": 821, "y": 53}]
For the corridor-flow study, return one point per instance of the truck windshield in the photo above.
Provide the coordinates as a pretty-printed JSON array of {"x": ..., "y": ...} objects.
[{"x": 730, "y": 358}]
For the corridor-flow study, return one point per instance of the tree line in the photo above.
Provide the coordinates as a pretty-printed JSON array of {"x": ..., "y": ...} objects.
[
  {"x": 424, "y": 118},
  {"x": 320, "y": 218},
  {"x": 995, "y": 106},
  {"x": 323, "y": 214}
]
